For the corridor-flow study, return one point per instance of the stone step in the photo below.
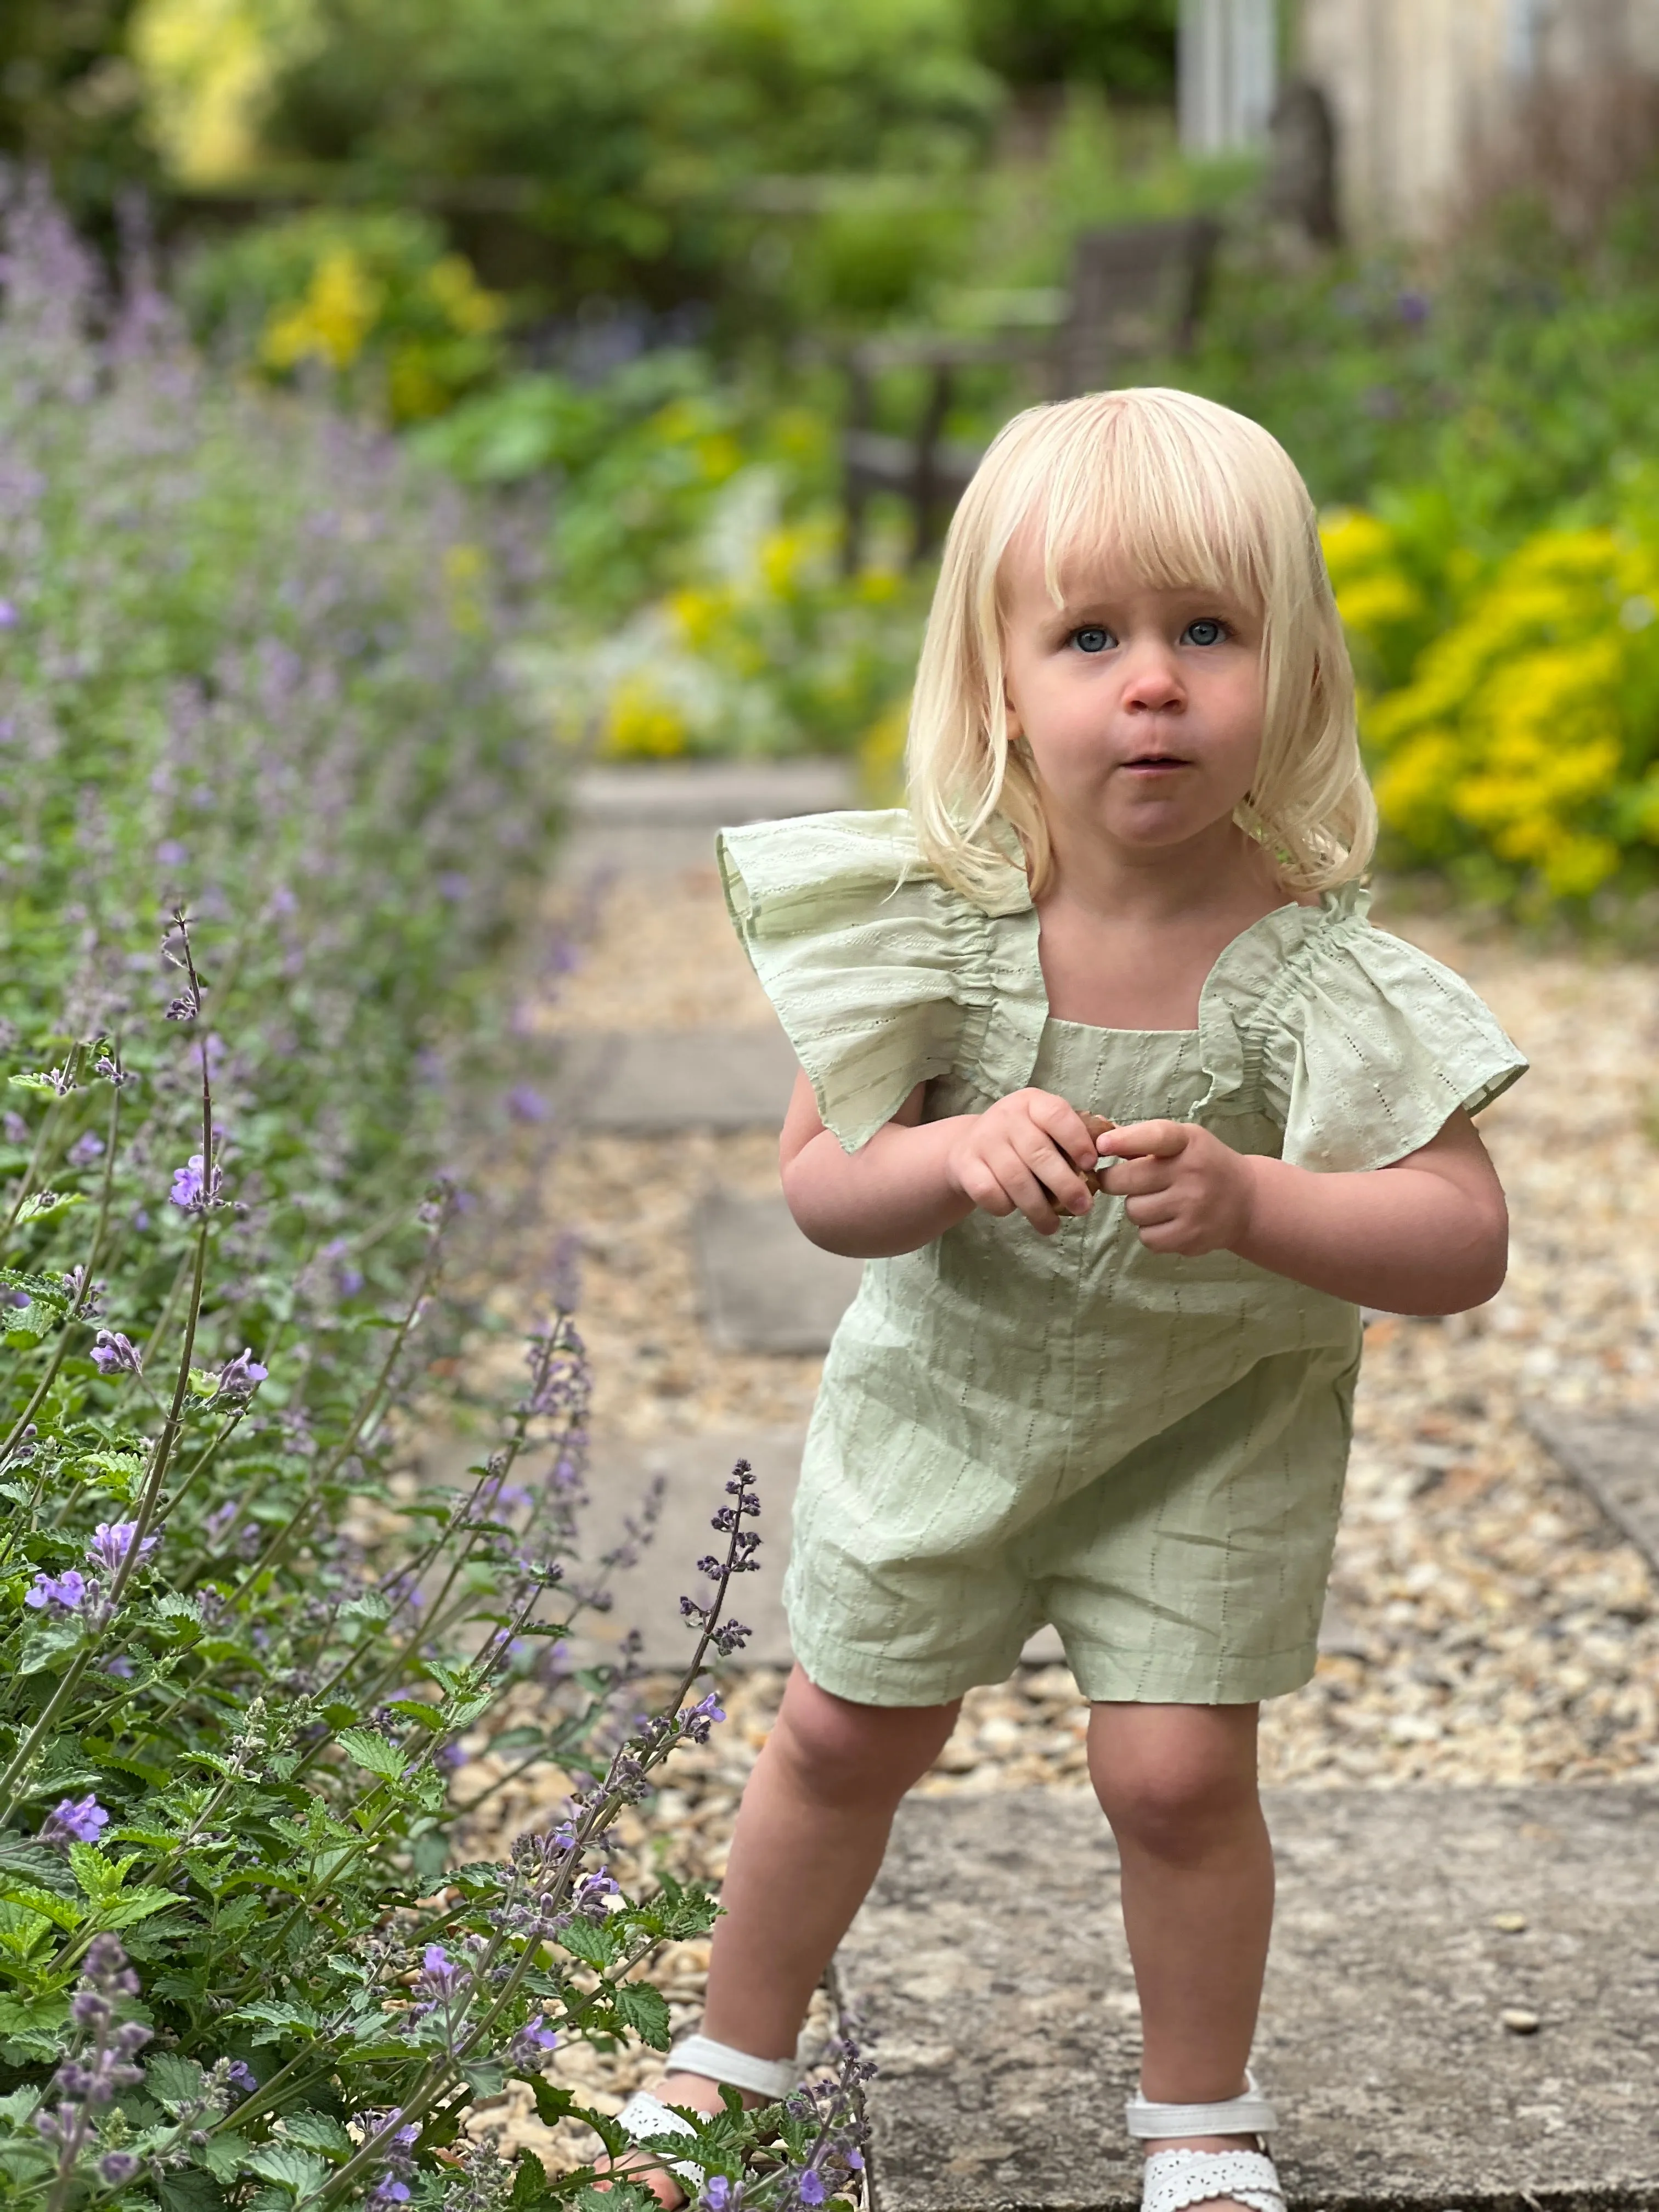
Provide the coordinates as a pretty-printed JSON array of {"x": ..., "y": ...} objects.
[
  {"x": 657, "y": 1084},
  {"x": 989, "y": 1961},
  {"x": 765, "y": 1288},
  {"x": 1616, "y": 1458}
]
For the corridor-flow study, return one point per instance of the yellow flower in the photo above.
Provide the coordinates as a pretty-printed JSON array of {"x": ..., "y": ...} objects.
[
  {"x": 332, "y": 321},
  {"x": 641, "y": 721},
  {"x": 465, "y": 304}
]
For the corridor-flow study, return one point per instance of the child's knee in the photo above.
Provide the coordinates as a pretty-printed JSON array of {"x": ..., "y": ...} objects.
[
  {"x": 1178, "y": 1791},
  {"x": 848, "y": 1754}
]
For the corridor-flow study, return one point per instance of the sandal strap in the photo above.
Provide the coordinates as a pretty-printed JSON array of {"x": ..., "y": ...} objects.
[
  {"x": 1248, "y": 2115},
  {"x": 644, "y": 2118},
  {"x": 1176, "y": 2179},
  {"x": 776, "y": 2078}
]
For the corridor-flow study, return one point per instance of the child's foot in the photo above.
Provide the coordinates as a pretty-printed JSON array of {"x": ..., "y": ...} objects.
[
  {"x": 1209, "y": 2142},
  {"x": 698, "y": 2094}
]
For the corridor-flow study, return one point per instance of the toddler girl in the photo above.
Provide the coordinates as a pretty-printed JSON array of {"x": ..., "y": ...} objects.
[{"x": 1126, "y": 886}]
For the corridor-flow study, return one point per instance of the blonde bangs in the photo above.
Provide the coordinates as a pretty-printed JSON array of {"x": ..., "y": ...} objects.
[{"x": 1187, "y": 493}]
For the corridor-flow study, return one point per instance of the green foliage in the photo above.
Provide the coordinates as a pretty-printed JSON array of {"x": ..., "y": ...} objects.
[
  {"x": 242, "y": 1648},
  {"x": 376, "y": 301},
  {"x": 1129, "y": 47},
  {"x": 635, "y": 128},
  {"x": 71, "y": 101}
]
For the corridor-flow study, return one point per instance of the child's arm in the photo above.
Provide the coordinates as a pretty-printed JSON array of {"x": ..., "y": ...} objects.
[
  {"x": 916, "y": 1179},
  {"x": 1428, "y": 1235}
]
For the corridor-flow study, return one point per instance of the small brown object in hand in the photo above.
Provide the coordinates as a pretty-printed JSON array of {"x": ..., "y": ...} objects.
[{"x": 1097, "y": 1125}]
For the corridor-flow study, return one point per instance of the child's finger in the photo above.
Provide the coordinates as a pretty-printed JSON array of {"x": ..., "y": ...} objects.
[
  {"x": 1060, "y": 1121},
  {"x": 1141, "y": 1140},
  {"x": 1138, "y": 1177}
]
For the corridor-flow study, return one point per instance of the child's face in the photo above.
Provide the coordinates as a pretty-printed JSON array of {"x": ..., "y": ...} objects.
[{"x": 1142, "y": 707}]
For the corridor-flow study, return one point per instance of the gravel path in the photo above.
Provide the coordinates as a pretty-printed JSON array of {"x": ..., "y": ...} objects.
[{"x": 1495, "y": 1629}]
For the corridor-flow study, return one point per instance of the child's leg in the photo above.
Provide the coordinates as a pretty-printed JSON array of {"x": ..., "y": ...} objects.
[
  {"x": 810, "y": 1836},
  {"x": 1178, "y": 1783}
]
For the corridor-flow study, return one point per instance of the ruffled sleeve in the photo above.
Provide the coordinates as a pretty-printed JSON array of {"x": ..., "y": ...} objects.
[
  {"x": 1359, "y": 1044},
  {"x": 882, "y": 976}
]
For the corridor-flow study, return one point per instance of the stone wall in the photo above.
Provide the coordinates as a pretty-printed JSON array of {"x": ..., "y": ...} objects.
[{"x": 1430, "y": 97}]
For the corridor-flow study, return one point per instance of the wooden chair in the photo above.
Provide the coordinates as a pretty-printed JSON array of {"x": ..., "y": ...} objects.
[{"x": 1138, "y": 289}]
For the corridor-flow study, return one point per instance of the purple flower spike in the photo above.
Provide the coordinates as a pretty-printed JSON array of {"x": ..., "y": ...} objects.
[
  {"x": 115, "y": 1354},
  {"x": 532, "y": 2045},
  {"x": 241, "y": 1376},
  {"x": 67, "y": 1590},
  {"x": 810, "y": 2186},
  {"x": 73, "y": 1820},
  {"x": 7, "y": 615}
]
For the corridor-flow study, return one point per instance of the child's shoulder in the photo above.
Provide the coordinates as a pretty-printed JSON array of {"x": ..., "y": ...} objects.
[
  {"x": 1359, "y": 1043},
  {"x": 820, "y": 870}
]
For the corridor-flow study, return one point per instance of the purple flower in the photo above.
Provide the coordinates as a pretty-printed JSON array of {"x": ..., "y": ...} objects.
[
  {"x": 1412, "y": 308},
  {"x": 67, "y": 1590},
  {"x": 530, "y": 2047},
  {"x": 7, "y": 615},
  {"x": 720, "y": 2195},
  {"x": 525, "y": 1104},
  {"x": 85, "y": 1150},
  {"x": 437, "y": 1962},
  {"x": 13, "y": 1129},
  {"x": 810, "y": 2186},
  {"x": 241, "y": 1376},
  {"x": 117, "y": 2167},
  {"x": 193, "y": 1189},
  {"x": 454, "y": 887},
  {"x": 121, "y": 1669},
  {"x": 239, "y": 2076},
  {"x": 73, "y": 1820},
  {"x": 171, "y": 854},
  {"x": 115, "y": 1354},
  {"x": 111, "y": 1543}
]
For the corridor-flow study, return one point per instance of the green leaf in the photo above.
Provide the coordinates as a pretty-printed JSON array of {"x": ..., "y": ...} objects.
[
  {"x": 551, "y": 2104},
  {"x": 411, "y": 1709},
  {"x": 298, "y": 2171},
  {"x": 223, "y": 2156},
  {"x": 203, "y": 1383},
  {"x": 40, "y": 1867},
  {"x": 173, "y": 2081},
  {"x": 485, "y": 2078},
  {"x": 133, "y": 1905},
  {"x": 58, "y": 1910},
  {"x": 645, "y": 2011},
  {"x": 26, "y": 1325},
  {"x": 49, "y": 1640},
  {"x": 188, "y": 2193},
  {"x": 317, "y": 2131},
  {"x": 529, "y": 2184},
  {"x": 365, "y": 1748},
  {"x": 47, "y": 1205},
  {"x": 286, "y": 2019},
  {"x": 595, "y": 1946},
  {"x": 32, "y": 1082}
]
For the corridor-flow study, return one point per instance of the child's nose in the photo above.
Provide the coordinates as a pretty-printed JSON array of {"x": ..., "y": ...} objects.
[{"x": 1152, "y": 683}]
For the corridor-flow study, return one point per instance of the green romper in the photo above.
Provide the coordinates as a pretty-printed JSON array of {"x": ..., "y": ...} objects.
[{"x": 1144, "y": 1450}]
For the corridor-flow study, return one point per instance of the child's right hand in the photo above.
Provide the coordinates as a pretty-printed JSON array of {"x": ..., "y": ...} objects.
[{"x": 1028, "y": 1153}]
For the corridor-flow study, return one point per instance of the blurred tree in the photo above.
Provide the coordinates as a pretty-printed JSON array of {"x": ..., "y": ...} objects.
[
  {"x": 1129, "y": 47},
  {"x": 628, "y": 134},
  {"x": 70, "y": 99}
]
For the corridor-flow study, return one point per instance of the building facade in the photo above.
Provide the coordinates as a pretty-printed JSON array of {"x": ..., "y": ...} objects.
[{"x": 1428, "y": 96}]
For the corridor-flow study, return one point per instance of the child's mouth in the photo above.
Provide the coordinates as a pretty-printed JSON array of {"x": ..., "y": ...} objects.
[{"x": 1155, "y": 761}]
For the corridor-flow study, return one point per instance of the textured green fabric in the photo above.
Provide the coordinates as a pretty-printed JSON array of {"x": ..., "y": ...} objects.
[{"x": 1144, "y": 1450}]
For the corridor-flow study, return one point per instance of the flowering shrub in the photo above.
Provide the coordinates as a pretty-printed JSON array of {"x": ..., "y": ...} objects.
[
  {"x": 376, "y": 302},
  {"x": 250, "y": 656},
  {"x": 1514, "y": 724}
]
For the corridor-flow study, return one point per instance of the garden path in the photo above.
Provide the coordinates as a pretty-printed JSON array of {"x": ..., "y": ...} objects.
[{"x": 1492, "y": 1625}]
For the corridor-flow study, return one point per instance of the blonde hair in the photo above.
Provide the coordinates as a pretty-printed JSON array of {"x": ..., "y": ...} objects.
[{"x": 1189, "y": 494}]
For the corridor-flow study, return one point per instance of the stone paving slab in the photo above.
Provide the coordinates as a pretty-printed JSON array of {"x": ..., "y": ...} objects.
[
  {"x": 990, "y": 1961},
  {"x": 653, "y": 1085},
  {"x": 657, "y": 819},
  {"x": 694, "y": 1470},
  {"x": 1616, "y": 1458},
  {"x": 765, "y": 1287}
]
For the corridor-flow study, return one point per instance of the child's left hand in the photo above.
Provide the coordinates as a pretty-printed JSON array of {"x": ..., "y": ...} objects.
[{"x": 1185, "y": 1191}]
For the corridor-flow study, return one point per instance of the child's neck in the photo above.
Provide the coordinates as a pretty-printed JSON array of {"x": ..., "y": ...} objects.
[{"x": 1129, "y": 940}]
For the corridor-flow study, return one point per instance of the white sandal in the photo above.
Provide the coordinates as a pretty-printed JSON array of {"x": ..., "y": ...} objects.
[
  {"x": 644, "y": 2118},
  {"x": 1176, "y": 2179}
]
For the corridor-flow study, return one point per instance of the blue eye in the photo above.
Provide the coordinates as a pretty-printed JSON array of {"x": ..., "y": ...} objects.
[
  {"x": 1206, "y": 630},
  {"x": 1092, "y": 641}
]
